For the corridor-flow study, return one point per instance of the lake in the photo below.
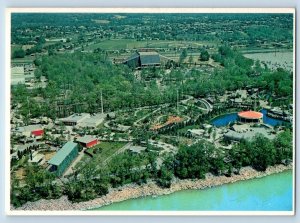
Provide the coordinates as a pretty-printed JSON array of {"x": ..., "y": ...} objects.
[
  {"x": 274, "y": 60},
  {"x": 270, "y": 193},
  {"x": 224, "y": 120}
]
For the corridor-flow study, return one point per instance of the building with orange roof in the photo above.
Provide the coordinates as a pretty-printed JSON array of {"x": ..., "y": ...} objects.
[{"x": 250, "y": 116}]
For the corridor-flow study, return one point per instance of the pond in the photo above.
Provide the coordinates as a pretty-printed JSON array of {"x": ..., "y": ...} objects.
[
  {"x": 274, "y": 59},
  {"x": 224, "y": 120}
]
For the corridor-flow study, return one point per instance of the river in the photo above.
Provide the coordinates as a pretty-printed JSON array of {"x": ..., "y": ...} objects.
[{"x": 270, "y": 193}]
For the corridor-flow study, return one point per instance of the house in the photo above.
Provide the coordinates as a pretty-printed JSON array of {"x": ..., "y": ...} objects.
[
  {"x": 92, "y": 121},
  {"x": 17, "y": 75},
  {"x": 31, "y": 131},
  {"x": 196, "y": 132},
  {"x": 37, "y": 158},
  {"x": 87, "y": 141},
  {"x": 137, "y": 149},
  {"x": 63, "y": 158},
  {"x": 74, "y": 119},
  {"x": 38, "y": 132}
]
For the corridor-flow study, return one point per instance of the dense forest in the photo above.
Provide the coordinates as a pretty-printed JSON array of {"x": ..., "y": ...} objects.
[{"x": 76, "y": 80}]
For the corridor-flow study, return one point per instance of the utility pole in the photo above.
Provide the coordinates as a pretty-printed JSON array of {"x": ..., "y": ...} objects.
[
  {"x": 177, "y": 101},
  {"x": 101, "y": 102},
  {"x": 28, "y": 107}
]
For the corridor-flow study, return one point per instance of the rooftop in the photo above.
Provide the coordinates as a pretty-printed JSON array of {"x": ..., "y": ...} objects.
[
  {"x": 149, "y": 58},
  {"x": 197, "y": 131},
  {"x": 148, "y": 53},
  {"x": 93, "y": 120},
  {"x": 29, "y": 128},
  {"x": 250, "y": 115},
  {"x": 17, "y": 70},
  {"x": 249, "y": 134},
  {"x": 75, "y": 117},
  {"x": 137, "y": 149},
  {"x": 17, "y": 75},
  {"x": 145, "y": 58},
  {"x": 37, "y": 158},
  {"x": 86, "y": 139},
  {"x": 60, "y": 156}
]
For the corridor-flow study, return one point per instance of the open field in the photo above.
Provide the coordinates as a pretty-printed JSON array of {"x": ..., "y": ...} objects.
[
  {"x": 20, "y": 173},
  {"x": 185, "y": 129},
  {"x": 27, "y": 59},
  {"x": 117, "y": 44},
  {"x": 48, "y": 155},
  {"x": 108, "y": 149}
]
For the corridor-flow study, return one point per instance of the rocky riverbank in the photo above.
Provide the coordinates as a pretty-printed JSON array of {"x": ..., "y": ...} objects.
[{"x": 150, "y": 189}]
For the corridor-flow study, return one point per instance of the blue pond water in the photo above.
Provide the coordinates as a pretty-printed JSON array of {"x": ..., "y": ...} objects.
[{"x": 232, "y": 117}]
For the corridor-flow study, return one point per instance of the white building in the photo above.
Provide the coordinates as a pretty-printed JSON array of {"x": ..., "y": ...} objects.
[{"x": 17, "y": 75}]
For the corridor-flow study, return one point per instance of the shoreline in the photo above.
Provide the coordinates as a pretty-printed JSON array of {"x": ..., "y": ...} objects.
[{"x": 133, "y": 191}]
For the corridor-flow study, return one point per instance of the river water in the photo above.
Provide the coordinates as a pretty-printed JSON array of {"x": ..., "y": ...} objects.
[{"x": 271, "y": 193}]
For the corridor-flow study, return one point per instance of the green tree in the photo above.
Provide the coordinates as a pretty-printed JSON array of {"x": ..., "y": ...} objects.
[
  {"x": 204, "y": 55},
  {"x": 262, "y": 153},
  {"x": 19, "y": 53}
]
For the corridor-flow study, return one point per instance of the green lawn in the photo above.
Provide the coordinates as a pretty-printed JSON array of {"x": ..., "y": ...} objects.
[
  {"x": 184, "y": 130},
  {"x": 108, "y": 149},
  {"x": 26, "y": 59},
  {"x": 142, "y": 113},
  {"x": 116, "y": 44}
]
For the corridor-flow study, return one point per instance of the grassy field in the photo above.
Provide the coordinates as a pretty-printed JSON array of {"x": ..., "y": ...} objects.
[
  {"x": 108, "y": 149},
  {"x": 131, "y": 44},
  {"x": 26, "y": 59},
  {"x": 141, "y": 113},
  {"x": 116, "y": 44},
  {"x": 185, "y": 129}
]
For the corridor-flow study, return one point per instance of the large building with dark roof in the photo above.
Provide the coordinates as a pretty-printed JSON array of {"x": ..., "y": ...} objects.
[{"x": 142, "y": 59}]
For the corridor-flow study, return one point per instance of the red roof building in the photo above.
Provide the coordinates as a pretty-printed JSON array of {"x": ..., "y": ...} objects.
[
  {"x": 250, "y": 116},
  {"x": 37, "y": 132},
  {"x": 87, "y": 141}
]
